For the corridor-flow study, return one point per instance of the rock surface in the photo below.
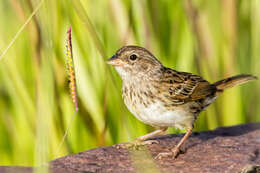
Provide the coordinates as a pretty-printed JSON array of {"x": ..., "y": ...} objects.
[{"x": 226, "y": 149}]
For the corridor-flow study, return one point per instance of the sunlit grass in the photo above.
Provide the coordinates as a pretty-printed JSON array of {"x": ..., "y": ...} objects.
[{"x": 35, "y": 104}]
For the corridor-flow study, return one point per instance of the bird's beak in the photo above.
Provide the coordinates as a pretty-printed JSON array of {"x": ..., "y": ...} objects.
[{"x": 115, "y": 61}]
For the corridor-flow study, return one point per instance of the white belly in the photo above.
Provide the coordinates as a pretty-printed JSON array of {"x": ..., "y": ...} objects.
[{"x": 156, "y": 115}]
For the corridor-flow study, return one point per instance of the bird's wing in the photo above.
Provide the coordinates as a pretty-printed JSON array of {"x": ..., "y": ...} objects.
[{"x": 182, "y": 87}]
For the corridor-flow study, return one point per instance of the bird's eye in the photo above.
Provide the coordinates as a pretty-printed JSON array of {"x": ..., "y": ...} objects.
[{"x": 133, "y": 57}]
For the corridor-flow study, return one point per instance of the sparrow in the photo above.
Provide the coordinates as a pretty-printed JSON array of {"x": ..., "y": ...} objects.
[{"x": 163, "y": 97}]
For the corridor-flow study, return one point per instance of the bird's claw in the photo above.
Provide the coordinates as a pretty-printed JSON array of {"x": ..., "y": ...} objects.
[
  {"x": 136, "y": 144},
  {"x": 173, "y": 153}
]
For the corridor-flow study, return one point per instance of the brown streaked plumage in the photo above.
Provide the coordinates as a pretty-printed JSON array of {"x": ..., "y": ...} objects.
[{"x": 162, "y": 97}]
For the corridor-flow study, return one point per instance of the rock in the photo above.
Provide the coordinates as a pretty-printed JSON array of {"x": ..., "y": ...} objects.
[
  {"x": 226, "y": 149},
  {"x": 15, "y": 169}
]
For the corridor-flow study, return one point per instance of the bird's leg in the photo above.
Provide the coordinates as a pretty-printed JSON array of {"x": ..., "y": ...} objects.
[
  {"x": 152, "y": 134},
  {"x": 175, "y": 151},
  {"x": 142, "y": 140}
]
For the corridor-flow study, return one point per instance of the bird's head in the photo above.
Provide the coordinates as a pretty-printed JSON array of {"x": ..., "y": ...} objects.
[{"x": 133, "y": 61}]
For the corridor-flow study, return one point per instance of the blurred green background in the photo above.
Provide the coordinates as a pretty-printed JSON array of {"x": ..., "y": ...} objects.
[{"x": 215, "y": 39}]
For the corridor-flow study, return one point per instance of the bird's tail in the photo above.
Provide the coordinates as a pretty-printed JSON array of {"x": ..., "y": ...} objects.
[{"x": 233, "y": 81}]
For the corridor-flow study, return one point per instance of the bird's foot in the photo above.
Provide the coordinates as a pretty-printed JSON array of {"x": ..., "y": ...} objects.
[
  {"x": 136, "y": 144},
  {"x": 173, "y": 154}
]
